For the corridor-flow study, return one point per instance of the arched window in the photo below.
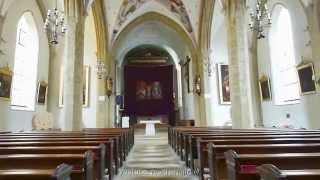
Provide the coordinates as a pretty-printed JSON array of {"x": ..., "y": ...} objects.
[
  {"x": 24, "y": 83},
  {"x": 283, "y": 60}
]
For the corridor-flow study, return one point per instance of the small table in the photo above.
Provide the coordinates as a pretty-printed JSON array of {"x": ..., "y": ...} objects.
[{"x": 150, "y": 127}]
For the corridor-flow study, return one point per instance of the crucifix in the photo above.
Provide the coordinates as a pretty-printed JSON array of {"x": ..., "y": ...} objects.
[{"x": 186, "y": 69}]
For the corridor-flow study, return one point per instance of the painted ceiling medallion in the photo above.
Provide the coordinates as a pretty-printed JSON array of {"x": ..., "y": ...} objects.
[{"x": 131, "y": 6}]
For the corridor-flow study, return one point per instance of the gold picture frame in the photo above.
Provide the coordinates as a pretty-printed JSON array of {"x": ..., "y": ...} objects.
[
  {"x": 86, "y": 85},
  {"x": 265, "y": 88},
  {"x": 5, "y": 83},
  {"x": 86, "y": 78},
  {"x": 224, "y": 86},
  {"x": 307, "y": 79},
  {"x": 42, "y": 92}
]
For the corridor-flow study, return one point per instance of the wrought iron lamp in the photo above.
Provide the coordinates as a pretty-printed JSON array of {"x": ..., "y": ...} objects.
[
  {"x": 197, "y": 84},
  {"x": 109, "y": 86},
  {"x": 54, "y": 24},
  {"x": 207, "y": 62},
  {"x": 260, "y": 19},
  {"x": 101, "y": 70}
]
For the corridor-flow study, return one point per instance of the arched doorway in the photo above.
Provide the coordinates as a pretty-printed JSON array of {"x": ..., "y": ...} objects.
[{"x": 150, "y": 85}]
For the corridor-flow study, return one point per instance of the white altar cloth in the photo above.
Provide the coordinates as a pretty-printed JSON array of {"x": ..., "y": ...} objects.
[{"x": 150, "y": 127}]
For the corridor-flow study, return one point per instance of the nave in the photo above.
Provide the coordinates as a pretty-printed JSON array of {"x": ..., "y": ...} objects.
[
  {"x": 176, "y": 153},
  {"x": 152, "y": 158}
]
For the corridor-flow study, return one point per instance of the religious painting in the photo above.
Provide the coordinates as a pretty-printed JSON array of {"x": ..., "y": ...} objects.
[
  {"x": 61, "y": 103},
  {"x": 224, "y": 85},
  {"x": 85, "y": 88},
  {"x": 156, "y": 90},
  {"x": 5, "y": 83},
  {"x": 307, "y": 79},
  {"x": 265, "y": 88},
  {"x": 147, "y": 91},
  {"x": 42, "y": 92}
]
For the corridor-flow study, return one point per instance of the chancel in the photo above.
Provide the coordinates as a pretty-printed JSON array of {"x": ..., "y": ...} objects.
[{"x": 160, "y": 89}]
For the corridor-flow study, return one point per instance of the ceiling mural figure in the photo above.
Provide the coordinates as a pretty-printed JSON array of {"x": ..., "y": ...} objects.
[
  {"x": 128, "y": 7},
  {"x": 177, "y": 7},
  {"x": 131, "y": 6}
]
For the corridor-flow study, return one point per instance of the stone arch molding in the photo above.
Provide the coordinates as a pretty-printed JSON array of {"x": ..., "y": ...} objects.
[
  {"x": 130, "y": 9},
  {"x": 156, "y": 17}
]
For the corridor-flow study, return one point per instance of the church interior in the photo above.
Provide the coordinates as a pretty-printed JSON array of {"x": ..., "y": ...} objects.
[{"x": 159, "y": 89}]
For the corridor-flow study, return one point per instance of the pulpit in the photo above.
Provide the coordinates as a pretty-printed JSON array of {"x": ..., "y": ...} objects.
[{"x": 150, "y": 127}]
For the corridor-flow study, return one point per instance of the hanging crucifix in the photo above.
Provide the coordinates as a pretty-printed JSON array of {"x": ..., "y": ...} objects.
[{"x": 186, "y": 69}]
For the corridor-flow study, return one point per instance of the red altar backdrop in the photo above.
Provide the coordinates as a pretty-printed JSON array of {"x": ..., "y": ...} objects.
[{"x": 148, "y": 90}]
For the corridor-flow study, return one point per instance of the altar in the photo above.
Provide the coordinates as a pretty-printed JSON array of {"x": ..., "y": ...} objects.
[{"x": 150, "y": 127}]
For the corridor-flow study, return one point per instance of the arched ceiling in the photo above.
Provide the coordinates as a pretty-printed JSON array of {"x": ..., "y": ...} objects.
[
  {"x": 154, "y": 29},
  {"x": 120, "y": 13}
]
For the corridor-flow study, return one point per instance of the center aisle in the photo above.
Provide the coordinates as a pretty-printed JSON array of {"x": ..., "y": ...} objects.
[{"x": 152, "y": 158}]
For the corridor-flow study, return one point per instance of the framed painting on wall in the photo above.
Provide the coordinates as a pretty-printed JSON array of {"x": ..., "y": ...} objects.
[
  {"x": 307, "y": 79},
  {"x": 5, "y": 83},
  {"x": 224, "y": 85},
  {"x": 265, "y": 88},
  {"x": 85, "y": 87},
  {"x": 42, "y": 92}
]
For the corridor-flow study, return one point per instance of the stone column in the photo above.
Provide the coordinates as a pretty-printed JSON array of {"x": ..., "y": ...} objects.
[
  {"x": 204, "y": 52},
  {"x": 73, "y": 65},
  {"x": 101, "y": 106},
  {"x": 239, "y": 66}
]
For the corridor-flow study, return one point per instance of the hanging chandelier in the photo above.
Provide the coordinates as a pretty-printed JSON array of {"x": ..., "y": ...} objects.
[
  {"x": 54, "y": 24},
  {"x": 101, "y": 70},
  {"x": 260, "y": 19}
]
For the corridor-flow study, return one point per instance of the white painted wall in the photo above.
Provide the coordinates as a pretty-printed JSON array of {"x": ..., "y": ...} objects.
[
  {"x": 217, "y": 114},
  {"x": 305, "y": 114},
  {"x": 21, "y": 120},
  {"x": 90, "y": 59}
]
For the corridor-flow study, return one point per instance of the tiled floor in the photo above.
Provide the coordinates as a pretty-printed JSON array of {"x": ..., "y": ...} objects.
[{"x": 152, "y": 159}]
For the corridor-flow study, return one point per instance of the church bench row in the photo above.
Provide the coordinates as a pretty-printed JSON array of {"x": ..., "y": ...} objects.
[
  {"x": 174, "y": 131},
  {"x": 244, "y": 166},
  {"x": 216, "y": 163},
  {"x": 73, "y": 146},
  {"x": 98, "y": 154},
  {"x": 121, "y": 146},
  {"x": 83, "y": 164},
  {"x": 224, "y": 135},
  {"x": 67, "y": 139},
  {"x": 178, "y": 135},
  {"x": 62, "y": 172},
  {"x": 271, "y": 172},
  {"x": 112, "y": 154},
  {"x": 202, "y": 151},
  {"x": 190, "y": 140}
]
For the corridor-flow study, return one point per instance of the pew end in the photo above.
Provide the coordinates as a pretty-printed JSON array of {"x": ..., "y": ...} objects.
[{"x": 270, "y": 172}]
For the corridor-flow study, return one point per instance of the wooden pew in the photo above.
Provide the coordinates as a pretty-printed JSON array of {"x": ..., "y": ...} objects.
[
  {"x": 82, "y": 164},
  {"x": 109, "y": 159},
  {"x": 202, "y": 145},
  {"x": 243, "y": 166},
  {"x": 62, "y": 172},
  {"x": 191, "y": 138},
  {"x": 117, "y": 152},
  {"x": 216, "y": 160},
  {"x": 271, "y": 172},
  {"x": 98, "y": 153},
  {"x": 122, "y": 148}
]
